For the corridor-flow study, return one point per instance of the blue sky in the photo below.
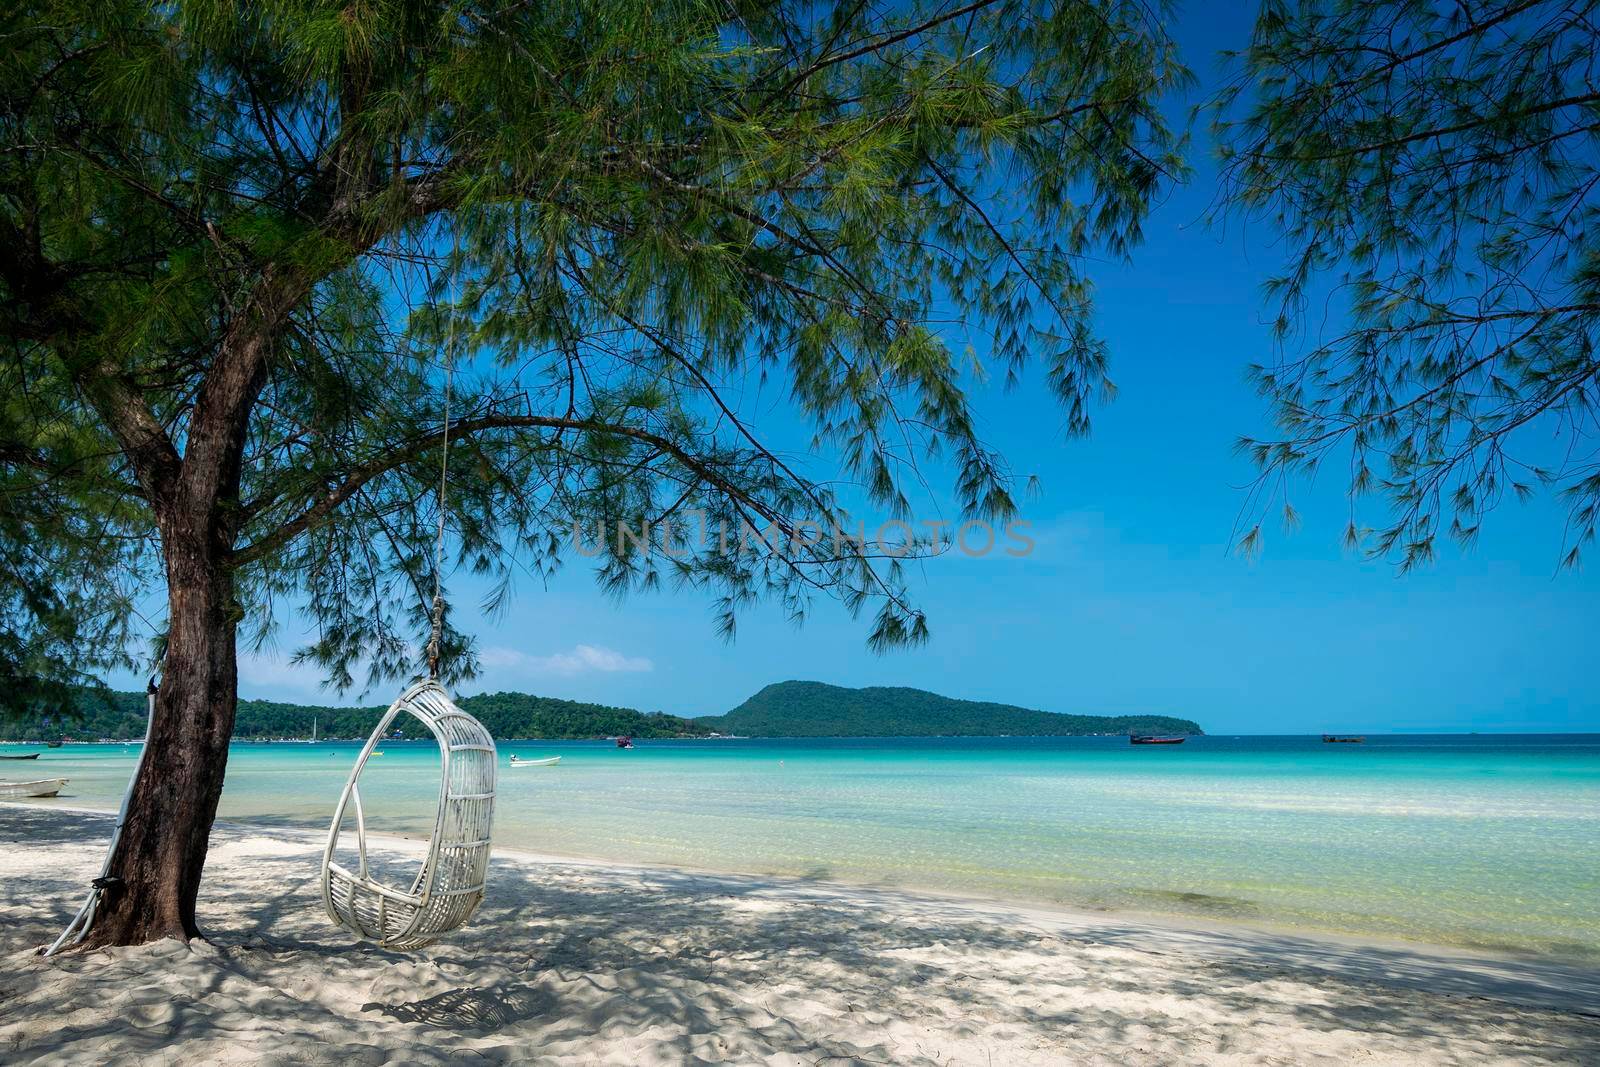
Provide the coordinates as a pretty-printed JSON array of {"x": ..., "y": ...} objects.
[{"x": 1131, "y": 601}]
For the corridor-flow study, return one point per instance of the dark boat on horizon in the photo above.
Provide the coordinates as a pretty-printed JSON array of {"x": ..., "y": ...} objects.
[
  {"x": 1335, "y": 739},
  {"x": 1148, "y": 739},
  {"x": 624, "y": 742}
]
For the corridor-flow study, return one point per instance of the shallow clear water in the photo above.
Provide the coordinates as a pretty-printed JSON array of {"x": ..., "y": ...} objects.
[{"x": 1490, "y": 840}]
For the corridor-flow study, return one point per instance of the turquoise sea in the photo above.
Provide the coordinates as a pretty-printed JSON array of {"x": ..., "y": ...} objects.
[{"x": 1490, "y": 841}]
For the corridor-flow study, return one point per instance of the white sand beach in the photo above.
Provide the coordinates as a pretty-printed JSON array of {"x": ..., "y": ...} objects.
[{"x": 573, "y": 962}]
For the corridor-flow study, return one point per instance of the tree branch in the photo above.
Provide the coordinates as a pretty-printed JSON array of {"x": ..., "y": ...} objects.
[
  {"x": 324, "y": 507},
  {"x": 1443, "y": 131},
  {"x": 825, "y": 61},
  {"x": 218, "y": 427}
]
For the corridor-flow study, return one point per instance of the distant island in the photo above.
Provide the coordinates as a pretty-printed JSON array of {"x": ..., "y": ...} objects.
[
  {"x": 814, "y": 709},
  {"x": 785, "y": 709}
]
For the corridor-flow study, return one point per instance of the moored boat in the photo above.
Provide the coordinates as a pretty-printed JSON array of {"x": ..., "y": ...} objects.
[
  {"x": 548, "y": 762},
  {"x": 44, "y": 787},
  {"x": 30, "y": 755},
  {"x": 1148, "y": 739}
]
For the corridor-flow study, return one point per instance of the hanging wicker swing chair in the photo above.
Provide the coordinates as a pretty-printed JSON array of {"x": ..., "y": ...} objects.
[{"x": 449, "y": 887}]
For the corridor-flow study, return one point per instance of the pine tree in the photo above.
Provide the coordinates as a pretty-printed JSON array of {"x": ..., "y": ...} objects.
[{"x": 242, "y": 241}]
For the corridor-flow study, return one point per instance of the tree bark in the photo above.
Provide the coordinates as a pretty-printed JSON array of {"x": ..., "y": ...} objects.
[{"x": 155, "y": 874}]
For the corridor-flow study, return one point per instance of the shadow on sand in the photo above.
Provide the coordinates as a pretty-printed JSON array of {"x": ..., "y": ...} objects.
[{"x": 631, "y": 965}]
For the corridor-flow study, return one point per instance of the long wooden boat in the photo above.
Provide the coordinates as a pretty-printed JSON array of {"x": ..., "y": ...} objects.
[
  {"x": 44, "y": 787},
  {"x": 31, "y": 755},
  {"x": 1146, "y": 739},
  {"x": 550, "y": 762}
]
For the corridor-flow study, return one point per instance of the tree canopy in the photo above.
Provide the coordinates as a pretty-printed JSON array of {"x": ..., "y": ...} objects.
[
  {"x": 1434, "y": 168},
  {"x": 239, "y": 243}
]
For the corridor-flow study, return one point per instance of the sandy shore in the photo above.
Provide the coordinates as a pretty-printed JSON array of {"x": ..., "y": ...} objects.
[{"x": 572, "y": 962}]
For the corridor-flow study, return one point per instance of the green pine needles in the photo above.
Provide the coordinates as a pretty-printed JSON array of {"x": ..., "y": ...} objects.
[
  {"x": 1435, "y": 169},
  {"x": 238, "y": 242}
]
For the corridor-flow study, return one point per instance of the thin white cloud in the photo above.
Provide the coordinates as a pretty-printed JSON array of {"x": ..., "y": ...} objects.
[{"x": 580, "y": 659}]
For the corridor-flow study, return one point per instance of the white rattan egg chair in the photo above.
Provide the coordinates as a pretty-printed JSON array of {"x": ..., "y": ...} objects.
[{"x": 449, "y": 887}]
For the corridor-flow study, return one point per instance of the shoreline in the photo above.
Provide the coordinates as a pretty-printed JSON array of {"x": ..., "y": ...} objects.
[
  {"x": 1223, "y": 936},
  {"x": 1368, "y": 737},
  {"x": 587, "y": 961},
  {"x": 1225, "y": 930}
]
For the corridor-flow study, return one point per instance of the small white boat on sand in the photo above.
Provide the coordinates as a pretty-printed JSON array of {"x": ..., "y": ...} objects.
[
  {"x": 551, "y": 762},
  {"x": 44, "y": 787}
]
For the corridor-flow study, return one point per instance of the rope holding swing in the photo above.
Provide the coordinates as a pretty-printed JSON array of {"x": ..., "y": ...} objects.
[
  {"x": 433, "y": 641},
  {"x": 450, "y": 884},
  {"x": 444, "y": 474}
]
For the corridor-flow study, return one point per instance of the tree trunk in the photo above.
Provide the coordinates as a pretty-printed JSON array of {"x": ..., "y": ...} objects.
[{"x": 155, "y": 874}]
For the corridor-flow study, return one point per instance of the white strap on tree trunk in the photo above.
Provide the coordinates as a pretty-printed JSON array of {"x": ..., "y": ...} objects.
[{"x": 78, "y": 928}]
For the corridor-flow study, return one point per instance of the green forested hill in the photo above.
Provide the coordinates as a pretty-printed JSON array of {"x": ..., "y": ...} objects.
[
  {"x": 507, "y": 715},
  {"x": 524, "y": 715},
  {"x": 787, "y": 709},
  {"x": 813, "y": 709}
]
